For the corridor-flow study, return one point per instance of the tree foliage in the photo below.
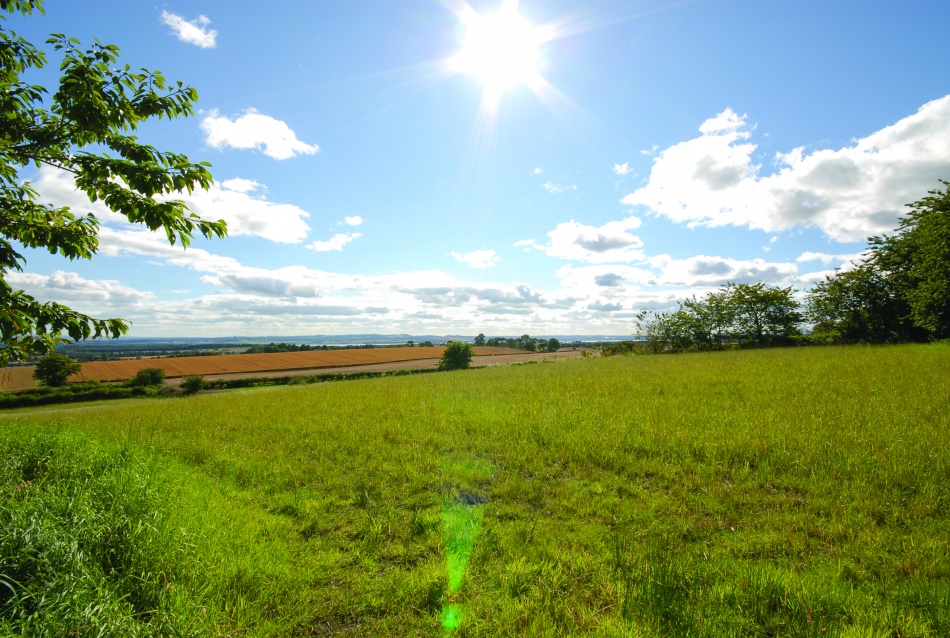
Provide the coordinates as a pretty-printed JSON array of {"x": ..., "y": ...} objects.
[
  {"x": 457, "y": 356},
  {"x": 147, "y": 377},
  {"x": 901, "y": 290},
  {"x": 193, "y": 384},
  {"x": 54, "y": 369},
  {"x": 750, "y": 314},
  {"x": 524, "y": 342},
  {"x": 83, "y": 126}
]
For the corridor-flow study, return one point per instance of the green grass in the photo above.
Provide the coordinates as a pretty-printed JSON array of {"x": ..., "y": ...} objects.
[{"x": 793, "y": 492}]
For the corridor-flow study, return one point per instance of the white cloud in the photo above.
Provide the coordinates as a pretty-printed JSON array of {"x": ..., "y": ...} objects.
[
  {"x": 241, "y": 185},
  {"x": 622, "y": 169},
  {"x": 194, "y": 32},
  {"x": 93, "y": 297},
  {"x": 254, "y": 130},
  {"x": 478, "y": 258},
  {"x": 337, "y": 242},
  {"x": 849, "y": 193},
  {"x": 57, "y": 187},
  {"x": 555, "y": 189},
  {"x": 356, "y": 220},
  {"x": 230, "y": 201},
  {"x": 604, "y": 244},
  {"x": 703, "y": 270},
  {"x": 249, "y": 215},
  {"x": 826, "y": 258},
  {"x": 537, "y": 171},
  {"x": 245, "y": 300}
]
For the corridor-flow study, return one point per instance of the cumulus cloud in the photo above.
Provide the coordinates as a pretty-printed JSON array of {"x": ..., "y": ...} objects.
[
  {"x": 194, "y": 32},
  {"x": 249, "y": 215},
  {"x": 537, "y": 171},
  {"x": 600, "y": 306},
  {"x": 703, "y": 270},
  {"x": 609, "y": 280},
  {"x": 297, "y": 299},
  {"x": 85, "y": 295},
  {"x": 337, "y": 242},
  {"x": 478, "y": 258},
  {"x": 233, "y": 201},
  {"x": 254, "y": 130},
  {"x": 241, "y": 185},
  {"x": 622, "y": 169},
  {"x": 70, "y": 287},
  {"x": 355, "y": 220},
  {"x": 849, "y": 193},
  {"x": 826, "y": 258},
  {"x": 58, "y": 188},
  {"x": 556, "y": 189},
  {"x": 604, "y": 244}
]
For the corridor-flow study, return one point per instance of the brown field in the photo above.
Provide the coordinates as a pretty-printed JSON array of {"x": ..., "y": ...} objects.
[
  {"x": 21, "y": 378},
  {"x": 416, "y": 364}
]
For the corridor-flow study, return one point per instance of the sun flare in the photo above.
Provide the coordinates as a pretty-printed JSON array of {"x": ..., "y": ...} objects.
[{"x": 501, "y": 50}]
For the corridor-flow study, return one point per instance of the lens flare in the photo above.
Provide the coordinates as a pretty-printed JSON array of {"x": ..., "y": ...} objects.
[
  {"x": 461, "y": 527},
  {"x": 463, "y": 508}
]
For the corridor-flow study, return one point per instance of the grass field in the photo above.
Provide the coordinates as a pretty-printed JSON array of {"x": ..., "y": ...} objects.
[
  {"x": 21, "y": 378},
  {"x": 799, "y": 492}
]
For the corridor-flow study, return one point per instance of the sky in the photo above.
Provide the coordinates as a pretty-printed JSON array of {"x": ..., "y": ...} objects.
[{"x": 545, "y": 167}]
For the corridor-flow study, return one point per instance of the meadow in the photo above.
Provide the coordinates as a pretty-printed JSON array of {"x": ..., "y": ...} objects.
[{"x": 790, "y": 492}]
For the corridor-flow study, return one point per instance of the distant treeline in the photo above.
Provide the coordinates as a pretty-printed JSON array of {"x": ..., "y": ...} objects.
[
  {"x": 524, "y": 342},
  {"x": 111, "y": 352}
]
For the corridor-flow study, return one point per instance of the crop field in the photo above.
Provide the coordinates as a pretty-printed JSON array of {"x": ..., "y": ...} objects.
[
  {"x": 21, "y": 378},
  {"x": 17, "y": 378},
  {"x": 793, "y": 492}
]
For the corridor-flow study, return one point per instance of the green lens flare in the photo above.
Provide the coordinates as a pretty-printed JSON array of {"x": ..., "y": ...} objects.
[
  {"x": 463, "y": 506},
  {"x": 461, "y": 528},
  {"x": 451, "y": 616}
]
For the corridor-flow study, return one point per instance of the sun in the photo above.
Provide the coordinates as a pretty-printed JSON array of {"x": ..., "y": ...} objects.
[{"x": 500, "y": 49}]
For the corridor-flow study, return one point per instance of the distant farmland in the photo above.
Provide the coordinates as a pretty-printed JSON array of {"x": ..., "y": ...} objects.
[{"x": 21, "y": 378}]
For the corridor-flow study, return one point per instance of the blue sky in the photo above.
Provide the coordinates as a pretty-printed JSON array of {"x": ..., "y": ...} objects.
[{"x": 377, "y": 175}]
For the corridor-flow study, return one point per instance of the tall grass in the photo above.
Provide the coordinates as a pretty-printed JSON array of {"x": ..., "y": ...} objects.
[
  {"x": 86, "y": 548},
  {"x": 784, "y": 493}
]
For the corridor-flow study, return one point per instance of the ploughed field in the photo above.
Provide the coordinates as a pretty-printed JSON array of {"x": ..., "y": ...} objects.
[{"x": 22, "y": 377}]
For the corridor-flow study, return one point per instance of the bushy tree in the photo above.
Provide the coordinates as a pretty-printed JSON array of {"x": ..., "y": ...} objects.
[
  {"x": 553, "y": 345},
  {"x": 193, "y": 384},
  {"x": 916, "y": 260},
  {"x": 763, "y": 315},
  {"x": 148, "y": 376},
  {"x": 54, "y": 369},
  {"x": 84, "y": 127},
  {"x": 901, "y": 291},
  {"x": 480, "y": 339},
  {"x": 457, "y": 356},
  {"x": 858, "y": 306},
  {"x": 752, "y": 314}
]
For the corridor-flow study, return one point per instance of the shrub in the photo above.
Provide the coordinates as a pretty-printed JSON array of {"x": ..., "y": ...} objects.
[
  {"x": 457, "y": 356},
  {"x": 148, "y": 376},
  {"x": 193, "y": 384}
]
